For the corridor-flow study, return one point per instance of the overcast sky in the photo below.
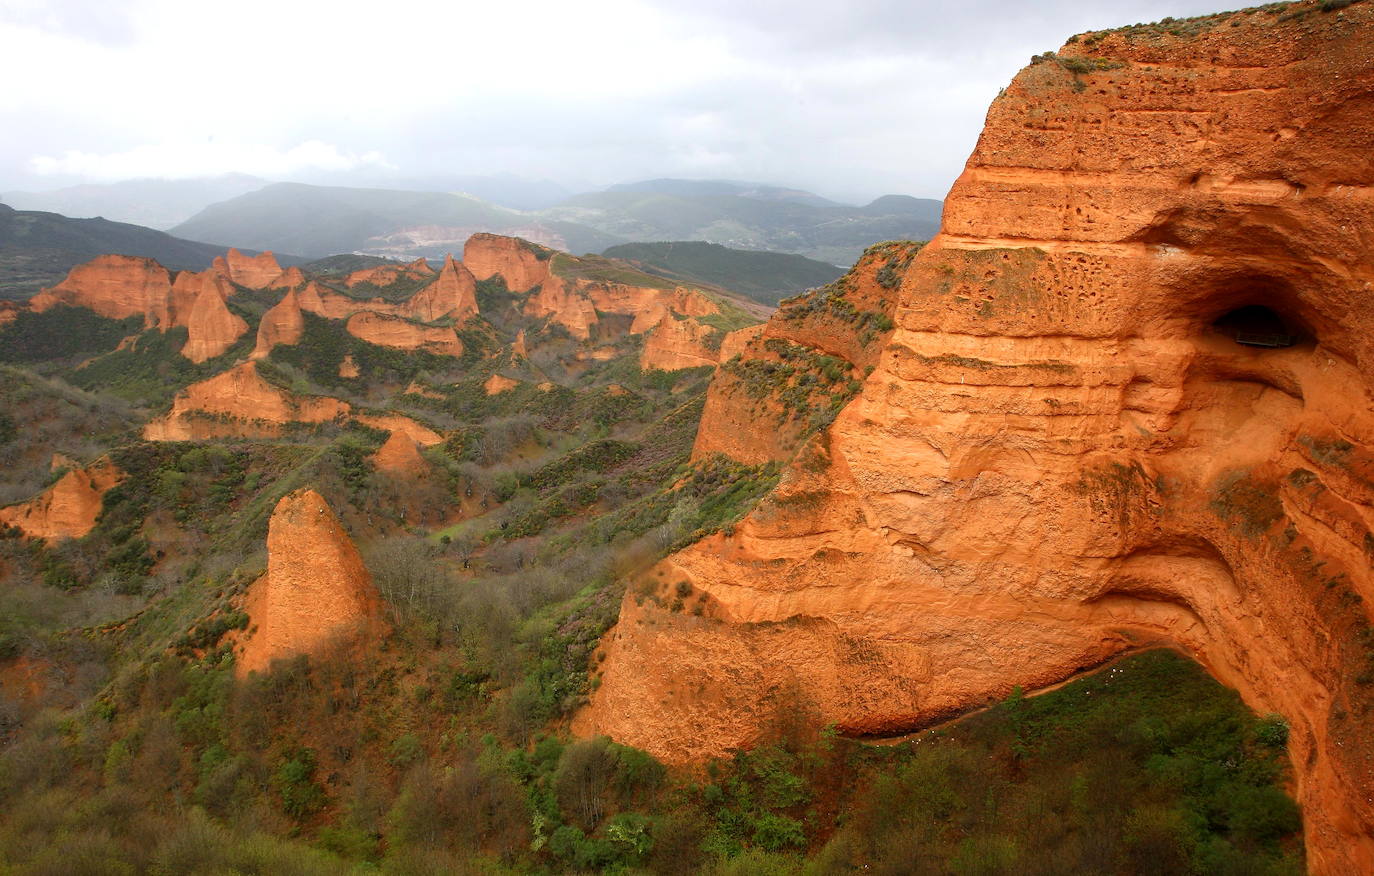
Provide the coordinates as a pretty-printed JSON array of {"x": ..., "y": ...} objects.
[{"x": 848, "y": 99}]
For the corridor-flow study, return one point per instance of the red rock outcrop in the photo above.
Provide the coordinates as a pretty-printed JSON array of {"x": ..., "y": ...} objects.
[
  {"x": 416, "y": 431},
  {"x": 497, "y": 384},
  {"x": 316, "y": 594},
  {"x": 282, "y": 324},
  {"x": 562, "y": 303},
  {"x": 211, "y": 327},
  {"x": 115, "y": 286},
  {"x": 400, "y": 456},
  {"x": 523, "y": 265},
  {"x": 67, "y": 509},
  {"x": 795, "y": 368},
  {"x": 1063, "y": 451},
  {"x": 737, "y": 341},
  {"x": 291, "y": 278},
  {"x": 238, "y": 403},
  {"x": 251, "y": 272},
  {"x": 122, "y": 286},
  {"x": 391, "y": 331},
  {"x": 452, "y": 294},
  {"x": 388, "y": 275},
  {"x": 348, "y": 368},
  {"x": 680, "y": 343}
]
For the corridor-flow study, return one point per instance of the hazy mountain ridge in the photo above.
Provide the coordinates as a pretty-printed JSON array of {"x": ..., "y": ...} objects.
[
  {"x": 322, "y": 220},
  {"x": 155, "y": 203},
  {"x": 37, "y": 249}
]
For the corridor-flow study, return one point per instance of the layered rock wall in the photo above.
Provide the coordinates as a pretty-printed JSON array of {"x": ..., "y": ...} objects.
[{"x": 1062, "y": 451}]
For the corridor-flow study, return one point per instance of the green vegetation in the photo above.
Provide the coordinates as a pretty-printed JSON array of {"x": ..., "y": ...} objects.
[
  {"x": 151, "y": 370},
  {"x": 62, "y": 333},
  {"x": 1146, "y": 766},
  {"x": 602, "y": 270},
  {"x": 810, "y": 387},
  {"x": 325, "y": 345}
]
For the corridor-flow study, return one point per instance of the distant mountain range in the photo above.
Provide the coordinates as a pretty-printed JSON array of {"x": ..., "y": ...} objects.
[
  {"x": 318, "y": 221},
  {"x": 748, "y": 216},
  {"x": 37, "y": 248},
  {"x": 765, "y": 277},
  {"x": 324, "y": 220},
  {"x": 154, "y": 203}
]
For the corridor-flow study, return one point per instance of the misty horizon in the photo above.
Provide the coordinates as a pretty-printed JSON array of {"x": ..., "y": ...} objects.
[{"x": 851, "y": 104}]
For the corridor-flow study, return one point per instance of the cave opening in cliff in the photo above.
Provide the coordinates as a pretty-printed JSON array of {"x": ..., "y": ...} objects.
[{"x": 1255, "y": 325}]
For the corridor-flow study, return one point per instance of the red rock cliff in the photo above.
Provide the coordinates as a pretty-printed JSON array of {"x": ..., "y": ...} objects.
[
  {"x": 453, "y": 293},
  {"x": 115, "y": 286},
  {"x": 67, "y": 509},
  {"x": 316, "y": 591},
  {"x": 282, "y": 324},
  {"x": 1063, "y": 451},
  {"x": 211, "y": 327},
  {"x": 523, "y": 265},
  {"x": 253, "y": 272}
]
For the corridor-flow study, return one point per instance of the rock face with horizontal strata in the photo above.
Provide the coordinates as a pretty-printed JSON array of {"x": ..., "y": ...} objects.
[{"x": 1063, "y": 453}]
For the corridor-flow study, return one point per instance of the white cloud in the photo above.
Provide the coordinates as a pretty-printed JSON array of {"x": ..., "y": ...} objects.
[
  {"x": 852, "y": 99},
  {"x": 188, "y": 160}
]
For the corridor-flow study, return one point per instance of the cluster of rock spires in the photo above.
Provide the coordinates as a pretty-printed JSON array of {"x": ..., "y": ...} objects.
[
  {"x": 239, "y": 402},
  {"x": 1063, "y": 452}
]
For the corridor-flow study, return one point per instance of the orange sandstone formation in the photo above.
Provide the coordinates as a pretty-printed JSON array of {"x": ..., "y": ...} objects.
[
  {"x": 1064, "y": 449},
  {"x": 452, "y": 294},
  {"x": 238, "y": 403},
  {"x": 316, "y": 593},
  {"x": 416, "y": 431},
  {"x": 291, "y": 278},
  {"x": 400, "y": 456},
  {"x": 348, "y": 368},
  {"x": 211, "y": 328},
  {"x": 282, "y": 324},
  {"x": 252, "y": 272},
  {"x": 387, "y": 275},
  {"x": 523, "y": 265},
  {"x": 122, "y": 286},
  {"x": 390, "y": 331},
  {"x": 497, "y": 384},
  {"x": 115, "y": 286},
  {"x": 680, "y": 343},
  {"x": 67, "y": 509}
]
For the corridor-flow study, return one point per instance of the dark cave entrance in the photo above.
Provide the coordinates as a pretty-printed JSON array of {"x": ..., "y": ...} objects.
[{"x": 1255, "y": 325}]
